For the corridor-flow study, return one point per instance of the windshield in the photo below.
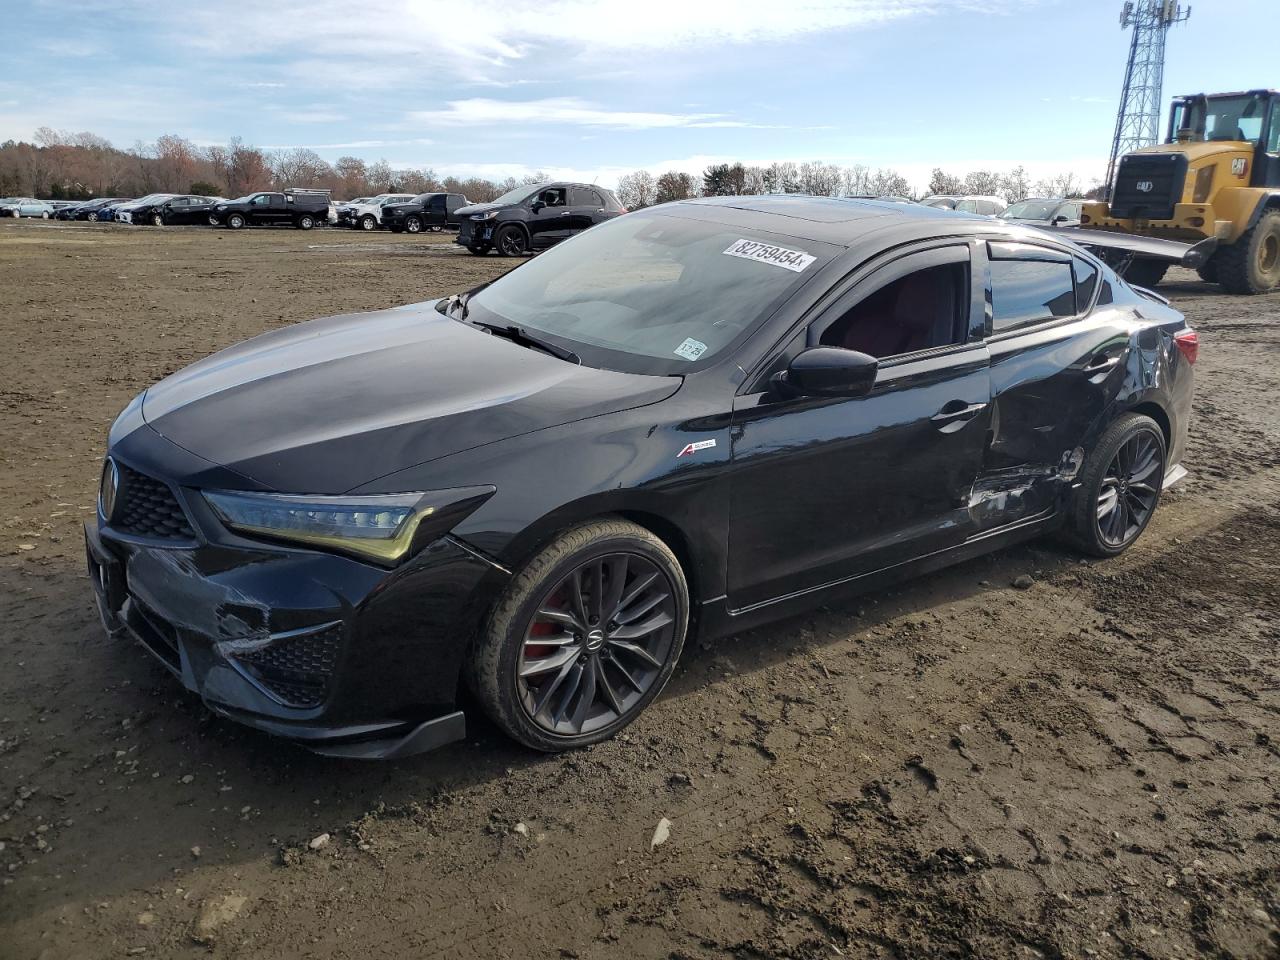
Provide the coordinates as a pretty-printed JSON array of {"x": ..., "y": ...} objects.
[
  {"x": 1031, "y": 210},
  {"x": 649, "y": 292},
  {"x": 1221, "y": 119},
  {"x": 519, "y": 193},
  {"x": 947, "y": 203},
  {"x": 152, "y": 197}
]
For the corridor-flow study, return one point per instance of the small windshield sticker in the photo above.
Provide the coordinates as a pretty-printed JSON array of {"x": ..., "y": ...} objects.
[
  {"x": 691, "y": 349},
  {"x": 695, "y": 447},
  {"x": 796, "y": 261}
]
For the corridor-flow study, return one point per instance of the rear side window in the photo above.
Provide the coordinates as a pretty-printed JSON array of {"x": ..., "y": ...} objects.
[
  {"x": 1086, "y": 280},
  {"x": 1030, "y": 291},
  {"x": 581, "y": 197}
]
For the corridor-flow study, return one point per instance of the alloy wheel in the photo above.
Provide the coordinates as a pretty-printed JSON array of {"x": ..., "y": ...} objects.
[
  {"x": 511, "y": 243},
  {"x": 413, "y": 225},
  {"x": 596, "y": 644},
  {"x": 1129, "y": 489}
]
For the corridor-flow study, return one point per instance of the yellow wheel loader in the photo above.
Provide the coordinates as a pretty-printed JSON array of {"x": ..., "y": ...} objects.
[{"x": 1215, "y": 183}]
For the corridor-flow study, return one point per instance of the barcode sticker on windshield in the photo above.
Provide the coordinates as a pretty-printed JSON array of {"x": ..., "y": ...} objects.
[
  {"x": 691, "y": 349},
  {"x": 794, "y": 260}
]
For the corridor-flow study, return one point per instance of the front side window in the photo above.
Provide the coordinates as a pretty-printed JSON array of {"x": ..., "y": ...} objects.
[
  {"x": 1273, "y": 137},
  {"x": 1220, "y": 119},
  {"x": 652, "y": 293},
  {"x": 553, "y": 197},
  {"x": 1024, "y": 292},
  {"x": 261, "y": 199},
  {"x": 919, "y": 311}
]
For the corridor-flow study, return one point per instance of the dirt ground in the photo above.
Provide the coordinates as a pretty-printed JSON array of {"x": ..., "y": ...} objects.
[{"x": 955, "y": 768}]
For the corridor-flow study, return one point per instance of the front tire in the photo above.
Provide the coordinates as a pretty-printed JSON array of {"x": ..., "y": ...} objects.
[
  {"x": 584, "y": 637},
  {"x": 157, "y": 220},
  {"x": 1120, "y": 486},
  {"x": 511, "y": 242},
  {"x": 367, "y": 222},
  {"x": 1252, "y": 264},
  {"x": 236, "y": 221},
  {"x": 479, "y": 249},
  {"x": 1209, "y": 272},
  {"x": 413, "y": 225}
]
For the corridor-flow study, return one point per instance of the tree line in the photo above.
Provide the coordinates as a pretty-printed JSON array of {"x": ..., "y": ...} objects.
[
  {"x": 80, "y": 166},
  {"x": 61, "y": 165},
  {"x": 643, "y": 189}
]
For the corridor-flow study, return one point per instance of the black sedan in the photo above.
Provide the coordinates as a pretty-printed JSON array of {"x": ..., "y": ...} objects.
[
  {"x": 702, "y": 417},
  {"x": 169, "y": 210}
]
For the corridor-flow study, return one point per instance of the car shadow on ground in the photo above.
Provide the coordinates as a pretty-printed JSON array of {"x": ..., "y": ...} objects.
[{"x": 143, "y": 750}]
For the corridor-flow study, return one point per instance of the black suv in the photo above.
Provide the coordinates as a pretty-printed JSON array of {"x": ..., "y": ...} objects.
[
  {"x": 534, "y": 217},
  {"x": 426, "y": 211}
]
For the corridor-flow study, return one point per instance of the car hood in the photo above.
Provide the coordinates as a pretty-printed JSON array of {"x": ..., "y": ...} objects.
[
  {"x": 326, "y": 406},
  {"x": 477, "y": 208}
]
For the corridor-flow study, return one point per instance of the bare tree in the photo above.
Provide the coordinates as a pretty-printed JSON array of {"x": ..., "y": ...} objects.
[
  {"x": 674, "y": 185},
  {"x": 637, "y": 190},
  {"x": 946, "y": 184},
  {"x": 1015, "y": 185}
]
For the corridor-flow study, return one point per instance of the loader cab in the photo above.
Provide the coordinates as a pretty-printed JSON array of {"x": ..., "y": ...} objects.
[{"x": 1252, "y": 117}]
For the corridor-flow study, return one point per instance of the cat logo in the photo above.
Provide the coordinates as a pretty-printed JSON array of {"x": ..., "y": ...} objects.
[
  {"x": 1239, "y": 166},
  {"x": 1145, "y": 186}
]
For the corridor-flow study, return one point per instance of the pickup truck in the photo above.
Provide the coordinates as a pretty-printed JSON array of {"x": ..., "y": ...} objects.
[
  {"x": 427, "y": 211},
  {"x": 301, "y": 209}
]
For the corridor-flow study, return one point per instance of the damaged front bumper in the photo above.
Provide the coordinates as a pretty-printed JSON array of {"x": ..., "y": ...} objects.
[{"x": 339, "y": 656}]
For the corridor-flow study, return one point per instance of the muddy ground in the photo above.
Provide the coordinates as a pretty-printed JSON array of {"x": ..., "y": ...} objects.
[{"x": 1087, "y": 768}]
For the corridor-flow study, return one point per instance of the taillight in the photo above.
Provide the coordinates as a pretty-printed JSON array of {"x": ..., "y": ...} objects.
[{"x": 1188, "y": 344}]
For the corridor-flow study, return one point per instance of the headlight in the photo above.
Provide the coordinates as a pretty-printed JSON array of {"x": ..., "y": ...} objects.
[
  {"x": 487, "y": 215},
  {"x": 385, "y": 528}
]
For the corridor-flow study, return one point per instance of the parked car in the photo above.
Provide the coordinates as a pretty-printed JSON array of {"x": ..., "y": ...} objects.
[
  {"x": 69, "y": 211},
  {"x": 985, "y": 205},
  {"x": 60, "y": 205},
  {"x": 1045, "y": 212},
  {"x": 368, "y": 215},
  {"x": 107, "y": 212},
  {"x": 427, "y": 211},
  {"x": 302, "y": 209},
  {"x": 344, "y": 211},
  {"x": 26, "y": 207},
  {"x": 535, "y": 217},
  {"x": 699, "y": 417},
  {"x": 166, "y": 209},
  {"x": 90, "y": 209}
]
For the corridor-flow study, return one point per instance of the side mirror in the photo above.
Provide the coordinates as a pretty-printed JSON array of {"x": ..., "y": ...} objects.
[
  {"x": 832, "y": 372},
  {"x": 536, "y": 206},
  {"x": 1060, "y": 218}
]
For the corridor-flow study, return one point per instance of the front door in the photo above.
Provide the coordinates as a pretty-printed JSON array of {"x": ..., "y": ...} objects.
[
  {"x": 549, "y": 222},
  {"x": 828, "y": 489}
]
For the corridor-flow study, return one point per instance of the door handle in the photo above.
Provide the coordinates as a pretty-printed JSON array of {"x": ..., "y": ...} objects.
[
  {"x": 1102, "y": 364},
  {"x": 955, "y": 415},
  {"x": 566, "y": 214}
]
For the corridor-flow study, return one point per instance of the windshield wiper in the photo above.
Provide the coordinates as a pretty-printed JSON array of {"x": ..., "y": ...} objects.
[{"x": 517, "y": 334}]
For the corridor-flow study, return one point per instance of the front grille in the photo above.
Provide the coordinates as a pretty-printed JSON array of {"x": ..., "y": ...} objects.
[
  {"x": 148, "y": 508},
  {"x": 296, "y": 669},
  {"x": 1148, "y": 185}
]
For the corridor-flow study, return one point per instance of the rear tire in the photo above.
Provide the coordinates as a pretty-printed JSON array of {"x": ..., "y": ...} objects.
[
  {"x": 568, "y": 655},
  {"x": 1252, "y": 264},
  {"x": 1120, "y": 487},
  {"x": 1146, "y": 273},
  {"x": 436, "y": 228},
  {"x": 305, "y": 222}
]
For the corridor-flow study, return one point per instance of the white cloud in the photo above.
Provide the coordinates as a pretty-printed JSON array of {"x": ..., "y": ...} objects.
[{"x": 482, "y": 111}]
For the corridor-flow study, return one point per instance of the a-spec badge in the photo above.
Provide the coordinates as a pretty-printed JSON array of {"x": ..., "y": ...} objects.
[{"x": 695, "y": 447}]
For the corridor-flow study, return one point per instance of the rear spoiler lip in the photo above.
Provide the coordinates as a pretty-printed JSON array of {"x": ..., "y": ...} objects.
[{"x": 1141, "y": 248}]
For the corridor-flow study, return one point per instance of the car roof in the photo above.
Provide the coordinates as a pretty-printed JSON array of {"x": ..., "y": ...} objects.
[{"x": 841, "y": 221}]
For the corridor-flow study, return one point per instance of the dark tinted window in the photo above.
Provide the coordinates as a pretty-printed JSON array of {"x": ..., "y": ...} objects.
[
  {"x": 1086, "y": 280},
  {"x": 1027, "y": 291},
  {"x": 582, "y": 197},
  {"x": 922, "y": 310}
]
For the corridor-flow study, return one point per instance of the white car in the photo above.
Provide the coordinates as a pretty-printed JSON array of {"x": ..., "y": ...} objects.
[
  {"x": 368, "y": 215},
  {"x": 986, "y": 205}
]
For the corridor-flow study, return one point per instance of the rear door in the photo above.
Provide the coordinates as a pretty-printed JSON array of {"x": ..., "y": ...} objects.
[
  {"x": 1057, "y": 363},
  {"x": 828, "y": 489},
  {"x": 586, "y": 208}
]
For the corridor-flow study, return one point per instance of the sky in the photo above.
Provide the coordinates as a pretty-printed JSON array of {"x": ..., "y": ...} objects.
[{"x": 591, "y": 91}]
